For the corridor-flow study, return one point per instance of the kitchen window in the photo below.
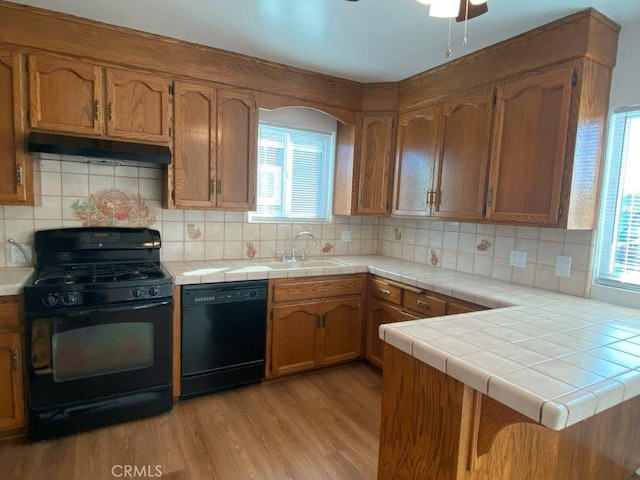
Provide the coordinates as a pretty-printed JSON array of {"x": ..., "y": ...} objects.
[
  {"x": 618, "y": 244},
  {"x": 295, "y": 174}
]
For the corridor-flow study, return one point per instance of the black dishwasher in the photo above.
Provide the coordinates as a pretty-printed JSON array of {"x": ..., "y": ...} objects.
[{"x": 223, "y": 336}]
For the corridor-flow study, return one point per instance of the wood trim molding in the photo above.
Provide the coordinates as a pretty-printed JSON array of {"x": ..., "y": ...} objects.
[
  {"x": 584, "y": 34},
  {"x": 34, "y": 29}
]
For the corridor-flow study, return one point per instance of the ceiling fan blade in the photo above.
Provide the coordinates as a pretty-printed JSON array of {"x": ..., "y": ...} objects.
[{"x": 474, "y": 10}]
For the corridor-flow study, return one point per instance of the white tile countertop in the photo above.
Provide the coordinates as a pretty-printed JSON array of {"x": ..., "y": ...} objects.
[
  {"x": 558, "y": 359},
  {"x": 13, "y": 279}
]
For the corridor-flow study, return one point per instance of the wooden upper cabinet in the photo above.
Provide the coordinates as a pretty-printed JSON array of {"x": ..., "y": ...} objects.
[
  {"x": 461, "y": 169},
  {"x": 74, "y": 97},
  {"x": 237, "y": 141},
  {"x": 215, "y": 148},
  {"x": 65, "y": 96},
  {"x": 194, "y": 145},
  {"x": 16, "y": 182},
  {"x": 418, "y": 145},
  {"x": 137, "y": 106},
  {"x": 375, "y": 163},
  {"x": 529, "y": 147}
]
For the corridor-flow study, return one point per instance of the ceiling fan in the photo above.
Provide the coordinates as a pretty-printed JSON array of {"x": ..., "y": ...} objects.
[{"x": 460, "y": 9}]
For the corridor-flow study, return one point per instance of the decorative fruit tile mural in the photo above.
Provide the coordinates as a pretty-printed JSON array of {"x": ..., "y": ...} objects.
[{"x": 113, "y": 208}]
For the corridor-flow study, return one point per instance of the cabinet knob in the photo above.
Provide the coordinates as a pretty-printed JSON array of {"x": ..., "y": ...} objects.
[
  {"x": 110, "y": 111},
  {"x": 490, "y": 197}
]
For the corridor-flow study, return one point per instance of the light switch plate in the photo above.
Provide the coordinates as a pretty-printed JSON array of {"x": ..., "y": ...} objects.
[
  {"x": 17, "y": 256},
  {"x": 346, "y": 236},
  {"x": 518, "y": 259},
  {"x": 563, "y": 266}
]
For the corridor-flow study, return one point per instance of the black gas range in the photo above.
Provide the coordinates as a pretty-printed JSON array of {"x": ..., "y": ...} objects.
[{"x": 98, "y": 323}]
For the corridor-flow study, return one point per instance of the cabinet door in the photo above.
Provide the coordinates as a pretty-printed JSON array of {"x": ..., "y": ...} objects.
[
  {"x": 294, "y": 338},
  {"x": 236, "y": 168},
  {"x": 65, "y": 96},
  {"x": 528, "y": 151},
  {"x": 375, "y": 162},
  {"x": 11, "y": 400},
  {"x": 378, "y": 314},
  {"x": 16, "y": 181},
  {"x": 194, "y": 145},
  {"x": 461, "y": 170},
  {"x": 137, "y": 106},
  {"x": 341, "y": 330},
  {"x": 417, "y": 153}
]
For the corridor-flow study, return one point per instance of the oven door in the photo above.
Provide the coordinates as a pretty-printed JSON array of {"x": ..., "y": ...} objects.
[{"x": 81, "y": 354}]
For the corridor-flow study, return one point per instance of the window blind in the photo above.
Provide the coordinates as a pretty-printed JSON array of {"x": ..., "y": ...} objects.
[
  {"x": 295, "y": 169},
  {"x": 618, "y": 246}
]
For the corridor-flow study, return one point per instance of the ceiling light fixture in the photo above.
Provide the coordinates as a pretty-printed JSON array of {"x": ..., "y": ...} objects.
[
  {"x": 444, "y": 8},
  {"x": 461, "y": 10}
]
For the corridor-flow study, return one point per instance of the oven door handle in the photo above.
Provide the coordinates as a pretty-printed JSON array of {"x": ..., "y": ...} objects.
[{"x": 113, "y": 308}]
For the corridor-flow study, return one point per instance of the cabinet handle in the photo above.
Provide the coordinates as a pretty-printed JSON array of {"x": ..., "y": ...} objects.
[
  {"x": 14, "y": 355},
  {"x": 110, "y": 111},
  {"x": 384, "y": 291},
  {"x": 213, "y": 186},
  {"x": 423, "y": 305},
  {"x": 429, "y": 198},
  {"x": 219, "y": 187},
  {"x": 19, "y": 176},
  {"x": 436, "y": 198},
  {"x": 490, "y": 197},
  {"x": 96, "y": 110}
]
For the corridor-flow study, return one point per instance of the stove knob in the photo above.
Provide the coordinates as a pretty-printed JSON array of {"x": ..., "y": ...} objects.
[
  {"x": 253, "y": 294},
  {"x": 154, "y": 291},
  {"x": 137, "y": 292},
  {"x": 69, "y": 298},
  {"x": 50, "y": 300}
]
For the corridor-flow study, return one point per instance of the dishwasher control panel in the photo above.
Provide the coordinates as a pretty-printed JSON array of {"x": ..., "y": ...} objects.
[{"x": 235, "y": 292}]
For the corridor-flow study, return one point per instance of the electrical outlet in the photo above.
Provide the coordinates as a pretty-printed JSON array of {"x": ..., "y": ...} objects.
[
  {"x": 518, "y": 259},
  {"x": 563, "y": 266},
  {"x": 17, "y": 256},
  {"x": 346, "y": 236}
]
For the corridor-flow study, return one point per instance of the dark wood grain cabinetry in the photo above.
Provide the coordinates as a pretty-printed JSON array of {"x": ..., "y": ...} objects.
[
  {"x": 390, "y": 302},
  {"x": 214, "y": 156},
  {"x": 16, "y": 177},
  {"x": 314, "y": 323},
  {"x": 443, "y": 151},
  {"x": 530, "y": 147},
  {"x": 375, "y": 163},
  {"x": 69, "y": 96},
  {"x": 12, "y": 405}
]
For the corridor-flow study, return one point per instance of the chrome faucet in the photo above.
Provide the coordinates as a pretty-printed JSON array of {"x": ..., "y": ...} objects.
[{"x": 293, "y": 245}]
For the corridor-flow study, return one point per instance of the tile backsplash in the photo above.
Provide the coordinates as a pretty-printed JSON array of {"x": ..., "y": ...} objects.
[
  {"x": 483, "y": 249},
  {"x": 72, "y": 194}
]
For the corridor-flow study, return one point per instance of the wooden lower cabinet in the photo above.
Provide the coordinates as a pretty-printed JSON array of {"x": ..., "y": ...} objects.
[
  {"x": 316, "y": 333},
  {"x": 378, "y": 314},
  {"x": 307, "y": 333},
  {"x": 12, "y": 405},
  {"x": 390, "y": 302}
]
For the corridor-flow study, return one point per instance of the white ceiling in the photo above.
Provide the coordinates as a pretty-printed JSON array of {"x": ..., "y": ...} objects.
[{"x": 367, "y": 41}]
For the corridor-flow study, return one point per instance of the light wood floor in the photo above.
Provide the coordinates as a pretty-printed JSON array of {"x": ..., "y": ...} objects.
[{"x": 322, "y": 425}]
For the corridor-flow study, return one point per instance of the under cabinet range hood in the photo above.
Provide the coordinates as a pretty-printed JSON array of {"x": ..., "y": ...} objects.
[{"x": 97, "y": 148}]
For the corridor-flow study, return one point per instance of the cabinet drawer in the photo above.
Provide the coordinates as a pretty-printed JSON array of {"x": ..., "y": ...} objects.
[
  {"x": 424, "y": 304},
  {"x": 385, "y": 291},
  {"x": 317, "y": 287},
  {"x": 9, "y": 313},
  {"x": 459, "y": 306}
]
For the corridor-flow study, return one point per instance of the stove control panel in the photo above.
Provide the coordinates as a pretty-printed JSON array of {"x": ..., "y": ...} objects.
[{"x": 65, "y": 299}]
